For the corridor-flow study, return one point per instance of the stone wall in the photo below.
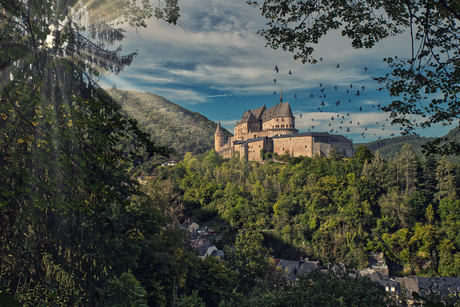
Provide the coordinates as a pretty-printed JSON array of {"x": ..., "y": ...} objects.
[
  {"x": 254, "y": 150},
  {"x": 297, "y": 146},
  {"x": 345, "y": 148}
]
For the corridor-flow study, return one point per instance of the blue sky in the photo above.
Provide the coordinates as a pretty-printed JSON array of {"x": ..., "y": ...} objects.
[{"x": 217, "y": 65}]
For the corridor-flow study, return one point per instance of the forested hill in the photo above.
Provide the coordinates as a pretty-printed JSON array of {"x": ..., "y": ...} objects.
[
  {"x": 390, "y": 146},
  {"x": 179, "y": 128}
]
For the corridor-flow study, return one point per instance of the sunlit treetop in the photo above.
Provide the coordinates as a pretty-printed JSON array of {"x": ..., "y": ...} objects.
[{"x": 63, "y": 140}]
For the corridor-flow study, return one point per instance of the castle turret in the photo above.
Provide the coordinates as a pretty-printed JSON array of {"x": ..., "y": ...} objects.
[{"x": 219, "y": 138}]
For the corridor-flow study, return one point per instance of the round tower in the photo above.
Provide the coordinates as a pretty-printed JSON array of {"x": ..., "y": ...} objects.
[{"x": 219, "y": 138}]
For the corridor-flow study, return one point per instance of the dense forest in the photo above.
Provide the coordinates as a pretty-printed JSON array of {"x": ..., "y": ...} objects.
[
  {"x": 327, "y": 209},
  {"x": 389, "y": 147},
  {"x": 332, "y": 209}
]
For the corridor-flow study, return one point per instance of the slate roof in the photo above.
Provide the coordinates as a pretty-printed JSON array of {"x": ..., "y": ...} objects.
[
  {"x": 338, "y": 138},
  {"x": 258, "y": 112},
  {"x": 425, "y": 286},
  {"x": 252, "y": 140},
  {"x": 193, "y": 226},
  {"x": 298, "y": 135},
  {"x": 210, "y": 250},
  {"x": 283, "y": 110},
  {"x": 263, "y": 114},
  {"x": 218, "y": 253},
  {"x": 219, "y": 128},
  {"x": 442, "y": 286},
  {"x": 373, "y": 275},
  {"x": 268, "y": 113},
  {"x": 248, "y": 117},
  {"x": 297, "y": 268},
  {"x": 409, "y": 283},
  {"x": 202, "y": 245}
]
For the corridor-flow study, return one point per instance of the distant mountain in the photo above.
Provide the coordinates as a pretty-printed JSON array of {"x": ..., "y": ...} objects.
[
  {"x": 390, "y": 146},
  {"x": 169, "y": 124}
]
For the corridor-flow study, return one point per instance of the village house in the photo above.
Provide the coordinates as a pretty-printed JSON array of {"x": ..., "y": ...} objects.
[
  {"x": 295, "y": 269},
  {"x": 403, "y": 287},
  {"x": 273, "y": 130}
]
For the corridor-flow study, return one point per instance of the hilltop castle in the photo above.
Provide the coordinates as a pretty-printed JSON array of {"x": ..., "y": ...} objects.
[{"x": 273, "y": 130}]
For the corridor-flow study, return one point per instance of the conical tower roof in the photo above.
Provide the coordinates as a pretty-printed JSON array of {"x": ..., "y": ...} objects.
[
  {"x": 284, "y": 110},
  {"x": 219, "y": 128}
]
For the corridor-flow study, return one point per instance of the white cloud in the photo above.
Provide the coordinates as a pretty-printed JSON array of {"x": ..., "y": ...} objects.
[{"x": 220, "y": 55}]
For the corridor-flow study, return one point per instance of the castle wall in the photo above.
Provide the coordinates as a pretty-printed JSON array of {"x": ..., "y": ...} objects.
[
  {"x": 243, "y": 151},
  {"x": 254, "y": 148},
  {"x": 345, "y": 148},
  {"x": 281, "y": 131},
  {"x": 321, "y": 149},
  {"x": 226, "y": 152},
  {"x": 219, "y": 140},
  {"x": 280, "y": 123},
  {"x": 307, "y": 147},
  {"x": 269, "y": 124},
  {"x": 297, "y": 146}
]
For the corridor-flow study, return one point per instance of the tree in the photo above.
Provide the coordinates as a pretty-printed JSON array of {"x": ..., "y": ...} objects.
[
  {"x": 335, "y": 154},
  {"x": 447, "y": 185},
  {"x": 426, "y": 84},
  {"x": 60, "y": 131},
  {"x": 213, "y": 280},
  {"x": 63, "y": 181},
  {"x": 408, "y": 169},
  {"x": 364, "y": 154},
  {"x": 249, "y": 259},
  {"x": 334, "y": 288},
  {"x": 191, "y": 301}
]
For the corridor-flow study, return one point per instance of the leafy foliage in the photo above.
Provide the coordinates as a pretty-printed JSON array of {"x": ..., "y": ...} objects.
[
  {"x": 332, "y": 210},
  {"x": 334, "y": 288},
  {"x": 63, "y": 181},
  {"x": 426, "y": 84}
]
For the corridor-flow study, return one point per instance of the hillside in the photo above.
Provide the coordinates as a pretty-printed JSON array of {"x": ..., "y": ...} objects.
[
  {"x": 177, "y": 128},
  {"x": 187, "y": 131},
  {"x": 390, "y": 146}
]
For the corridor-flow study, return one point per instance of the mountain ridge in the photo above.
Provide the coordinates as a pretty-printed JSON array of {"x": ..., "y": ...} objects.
[{"x": 169, "y": 124}]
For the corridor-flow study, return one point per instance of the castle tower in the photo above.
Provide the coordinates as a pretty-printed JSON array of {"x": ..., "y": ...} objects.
[{"x": 219, "y": 138}]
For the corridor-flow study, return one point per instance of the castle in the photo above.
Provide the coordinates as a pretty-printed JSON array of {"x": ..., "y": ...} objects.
[{"x": 273, "y": 130}]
